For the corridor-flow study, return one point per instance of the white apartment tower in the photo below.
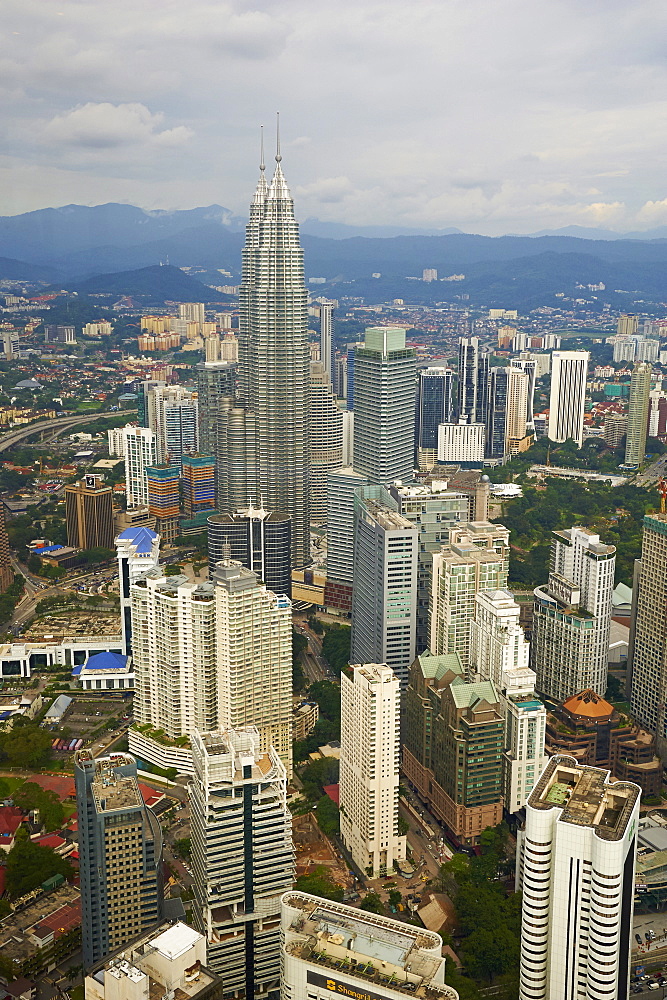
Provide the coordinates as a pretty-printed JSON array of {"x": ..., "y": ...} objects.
[
  {"x": 384, "y": 591},
  {"x": 500, "y": 653},
  {"x": 242, "y": 857},
  {"x": 140, "y": 452},
  {"x": 576, "y": 866},
  {"x": 254, "y": 658},
  {"x": 331, "y": 948},
  {"x": 475, "y": 558},
  {"x": 174, "y": 656},
  {"x": 326, "y": 439},
  {"x": 572, "y": 615},
  {"x": 370, "y": 751},
  {"x": 568, "y": 396}
]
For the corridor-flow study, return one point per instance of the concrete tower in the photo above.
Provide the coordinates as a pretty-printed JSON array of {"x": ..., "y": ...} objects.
[
  {"x": 640, "y": 388},
  {"x": 326, "y": 439},
  {"x": 384, "y": 406},
  {"x": 568, "y": 395}
]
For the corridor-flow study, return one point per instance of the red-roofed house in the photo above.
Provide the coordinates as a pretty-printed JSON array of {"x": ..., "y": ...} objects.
[
  {"x": 333, "y": 791},
  {"x": 150, "y": 796},
  {"x": 11, "y": 818},
  {"x": 56, "y": 843}
]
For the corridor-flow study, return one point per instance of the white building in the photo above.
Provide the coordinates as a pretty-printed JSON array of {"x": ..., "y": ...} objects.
[
  {"x": 461, "y": 443},
  {"x": 173, "y": 649},
  {"x": 102, "y": 328},
  {"x": 331, "y": 948},
  {"x": 326, "y": 337},
  {"x": 242, "y": 857},
  {"x": 116, "y": 445},
  {"x": 140, "y": 452},
  {"x": 341, "y": 486},
  {"x": 575, "y": 867},
  {"x": 500, "y": 653},
  {"x": 192, "y": 312},
  {"x": 105, "y": 672},
  {"x": 475, "y": 558},
  {"x": 568, "y": 396},
  {"x": 384, "y": 591},
  {"x": 572, "y": 614},
  {"x": 19, "y": 659},
  {"x": 254, "y": 658},
  {"x": 370, "y": 750},
  {"x": 137, "y": 551}
]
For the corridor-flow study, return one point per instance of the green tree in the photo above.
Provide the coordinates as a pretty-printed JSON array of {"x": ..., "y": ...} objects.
[
  {"x": 25, "y": 744},
  {"x": 319, "y": 882},
  {"x": 28, "y": 865},
  {"x": 328, "y": 816},
  {"x": 488, "y": 953},
  {"x": 99, "y": 554},
  {"x": 318, "y": 774},
  {"x": 395, "y": 897},
  {"x": 372, "y": 902},
  {"x": 182, "y": 847},
  {"x": 336, "y": 646},
  {"x": 51, "y": 810}
]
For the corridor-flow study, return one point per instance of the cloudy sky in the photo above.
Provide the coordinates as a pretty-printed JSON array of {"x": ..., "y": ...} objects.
[{"x": 492, "y": 116}]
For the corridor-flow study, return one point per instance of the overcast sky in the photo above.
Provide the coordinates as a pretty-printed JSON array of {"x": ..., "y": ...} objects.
[{"x": 492, "y": 116}]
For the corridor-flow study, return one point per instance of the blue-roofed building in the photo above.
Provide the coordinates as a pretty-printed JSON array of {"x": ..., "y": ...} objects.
[
  {"x": 138, "y": 549},
  {"x": 105, "y": 672}
]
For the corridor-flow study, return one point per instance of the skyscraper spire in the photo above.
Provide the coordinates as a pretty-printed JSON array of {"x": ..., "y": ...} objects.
[
  {"x": 278, "y": 156},
  {"x": 279, "y": 189},
  {"x": 262, "y": 186}
]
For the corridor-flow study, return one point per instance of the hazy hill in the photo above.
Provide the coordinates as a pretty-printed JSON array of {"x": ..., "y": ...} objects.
[{"x": 154, "y": 283}]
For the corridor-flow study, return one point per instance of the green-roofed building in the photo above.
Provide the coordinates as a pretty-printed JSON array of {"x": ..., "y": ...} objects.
[{"x": 453, "y": 741}]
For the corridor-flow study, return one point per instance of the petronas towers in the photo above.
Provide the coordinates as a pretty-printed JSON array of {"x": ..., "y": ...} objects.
[{"x": 263, "y": 434}]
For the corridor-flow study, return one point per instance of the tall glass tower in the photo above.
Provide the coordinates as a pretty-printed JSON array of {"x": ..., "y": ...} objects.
[{"x": 263, "y": 437}]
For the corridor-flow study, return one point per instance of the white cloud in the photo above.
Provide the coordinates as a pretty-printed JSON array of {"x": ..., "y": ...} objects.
[
  {"x": 108, "y": 126},
  {"x": 489, "y": 116}
]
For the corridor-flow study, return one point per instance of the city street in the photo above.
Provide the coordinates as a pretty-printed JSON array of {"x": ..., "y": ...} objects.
[{"x": 653, "y": 473}]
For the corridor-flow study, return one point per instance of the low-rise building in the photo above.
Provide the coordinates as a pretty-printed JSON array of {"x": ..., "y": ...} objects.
[
  {"x": 167, "y": 961},
  {"x": 304, "y": 717},
  {"x": 43, "y": 930},
  {"x": 330, "y": 948},
  {"x": 105, "y": 672},
  {"x": 19, "y": 659}
]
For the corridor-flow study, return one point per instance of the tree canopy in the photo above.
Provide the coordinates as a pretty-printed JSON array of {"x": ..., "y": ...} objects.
[
  {"x": 320, "y": 883},
  {"x": 29, "y": 864},
  {"x": 32, "y": 796},
  {"x": 25, "y": 744}
]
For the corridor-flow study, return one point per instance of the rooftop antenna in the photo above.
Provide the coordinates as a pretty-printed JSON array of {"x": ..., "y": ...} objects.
[
  {"x": 278, "y": 156},
  {"x": 262, "y": 165}
]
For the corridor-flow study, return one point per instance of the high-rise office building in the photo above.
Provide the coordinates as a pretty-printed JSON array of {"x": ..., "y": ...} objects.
[
  {"x": 263, "y": 439},
  {"x": 647, "y": 653},
  {"x": 473, "y": 381},
  {"x": 137, "y": 551},
  {"x": 242, "y": 857},
  {"x": 529, "y": 364},
  {"x": 174, "y": 416},
  {"x": 259, "y": 539},
  {"x": 330, "y": 947},
  {"x": 163, "y": 484},
  {"x": 500, "y": 653},
  {"x": 572, "y": 614},
  {"x": 198, "y": 484},
  {"x": 6, "y": 568},
  {"x": 254, "y": 658},
  {"x": 370, "y": 751},
  {"x": 326, "y": 439},
  {"x": 497, "y": 413},
  {"x": 140, "y": 452},
  {"x": 461, "y": 444},
  {"x": 640, "y": 388},
  {"x": 120, "y": 854},
  {"x": 434, "y": 407},
  {"x": 434, "y": 509},
  {"x": 341, "y": 486},
  {"x": 519, "y": 408},
  {"x": 384, "y": 406},
  {"x": 576, "y": 868},
  {"x": 384, "y": 594},
  {"x": 215, "y": 380},
  {"x": 326, "y": 338},
  {"x": 453, "y": 745},
  {"x": 475, "y": 558},
  {"x": 568, "y": 396},
  {"x": 89, "y": 514}
]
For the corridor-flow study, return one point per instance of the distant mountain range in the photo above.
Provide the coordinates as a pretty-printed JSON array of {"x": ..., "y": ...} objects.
[
  {"x": 158, "y": 282},
  {"x": 72, "y": 244}
]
